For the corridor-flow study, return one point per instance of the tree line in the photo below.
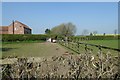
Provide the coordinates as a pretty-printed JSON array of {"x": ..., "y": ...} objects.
[
  {"x": 69, "y": 29},
  {"x": 64, "y": 29}
]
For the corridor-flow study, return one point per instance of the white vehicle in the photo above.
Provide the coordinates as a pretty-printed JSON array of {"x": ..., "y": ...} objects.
[
  {"x": 49, "y": 40},
  {"x": 54, "y": 41}
]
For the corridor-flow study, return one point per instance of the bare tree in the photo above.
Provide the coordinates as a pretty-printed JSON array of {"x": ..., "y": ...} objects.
[
  {"x": 95, "y": 32},
  {"x": 70, "y": 29},
  {"x": 85, "y": 32},
  {"x": 115, "y": 31},
  {"x": 67, "y": 29}
]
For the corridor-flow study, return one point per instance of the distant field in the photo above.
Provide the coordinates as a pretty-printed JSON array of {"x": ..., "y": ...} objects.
[
  {"x": 32, "y": 49},
  {"x": 108, "y": 43}
]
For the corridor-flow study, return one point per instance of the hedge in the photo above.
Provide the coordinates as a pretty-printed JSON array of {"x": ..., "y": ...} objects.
[
  {"x": 22, "y": 37},
  {"x": 43, "y": 37}
]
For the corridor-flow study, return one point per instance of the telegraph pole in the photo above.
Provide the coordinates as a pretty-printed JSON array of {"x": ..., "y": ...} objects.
[{"x": 13, "y": 26}]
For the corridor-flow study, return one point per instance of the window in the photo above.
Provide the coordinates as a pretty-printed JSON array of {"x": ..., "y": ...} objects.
[{"x": 15, "y": 28}]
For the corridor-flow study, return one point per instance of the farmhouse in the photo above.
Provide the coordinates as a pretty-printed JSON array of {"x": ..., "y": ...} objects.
[{"x": 15, "y": 27}]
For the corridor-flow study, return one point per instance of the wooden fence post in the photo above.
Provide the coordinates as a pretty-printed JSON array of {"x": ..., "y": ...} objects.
[{"x": 78, "y": 46}]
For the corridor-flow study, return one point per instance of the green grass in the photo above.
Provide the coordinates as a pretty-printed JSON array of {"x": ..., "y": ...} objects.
[
  {"x": 39, "y": 48},
  {"x": 95, "y": 50},
  {"x": 30, "y": 41},
  {"x": 32, "y": 49},
  {"x": 108, "y": 43}
]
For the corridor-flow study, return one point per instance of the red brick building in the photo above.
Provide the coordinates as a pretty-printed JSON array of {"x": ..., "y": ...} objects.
[{"x": 15, "y": 28}]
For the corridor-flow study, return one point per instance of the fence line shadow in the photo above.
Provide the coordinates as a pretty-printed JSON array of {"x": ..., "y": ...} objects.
[{"x": 6, "y": 49}]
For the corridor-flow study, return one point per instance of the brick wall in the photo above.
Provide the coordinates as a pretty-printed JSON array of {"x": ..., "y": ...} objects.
[{"x": 19, "y": 28}]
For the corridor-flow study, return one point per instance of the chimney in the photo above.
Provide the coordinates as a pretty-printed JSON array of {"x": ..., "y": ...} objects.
[{"x": 13, "y": 26}]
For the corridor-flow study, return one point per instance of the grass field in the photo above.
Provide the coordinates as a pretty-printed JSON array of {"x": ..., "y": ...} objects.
[
  {"x": 108, "y": 43},
  {"x": 37, "y": 49},
  {"x": 32, "y": 49}
]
